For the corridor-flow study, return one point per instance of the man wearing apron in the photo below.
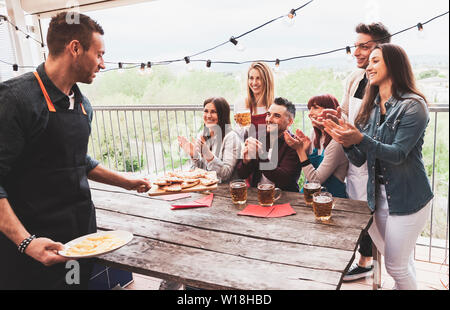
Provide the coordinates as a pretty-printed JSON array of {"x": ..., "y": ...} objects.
[
  {"x": 368, "y": 36},
  {"x": 45, "y": 123}
]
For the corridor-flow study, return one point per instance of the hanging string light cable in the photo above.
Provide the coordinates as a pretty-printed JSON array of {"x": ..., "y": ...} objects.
[
  {"x": 27, "y": 35},
  {"x": 291, "y": 14},
  {"x": 419, "y": 26},
  {"x": 122, "y": 68},
  {"x": 16, "y": 66},
  {"x": 277, "y": 61},
  {"x": 346, "y": 49},
  {"x": 233, "y": 39}
]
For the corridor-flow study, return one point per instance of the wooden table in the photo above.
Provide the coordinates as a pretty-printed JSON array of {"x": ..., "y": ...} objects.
[{"x": 214, "y": 248}]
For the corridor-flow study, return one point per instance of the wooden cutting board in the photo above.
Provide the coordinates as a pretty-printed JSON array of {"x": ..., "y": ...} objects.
[{"x": 157, "y": 191}]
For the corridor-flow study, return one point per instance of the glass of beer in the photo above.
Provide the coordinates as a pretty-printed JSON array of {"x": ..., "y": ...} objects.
[
  {"x": 238, "y": 190},
  {"x": 323, "y": 202},
  {"x": 242, "y": 116},
  {"x": 308, "y": 190},
  {"x": 268, "y": 194}
]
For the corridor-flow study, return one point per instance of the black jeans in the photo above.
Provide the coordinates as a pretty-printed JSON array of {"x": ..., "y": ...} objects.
[{"x": 365, "y": 246}]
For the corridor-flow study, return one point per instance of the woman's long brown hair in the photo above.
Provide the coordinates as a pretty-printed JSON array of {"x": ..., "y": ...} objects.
[
  {"x": 325, "y": 101},
  {"x": 268, "y": 82},
  {"x": 223, "y": 115},
  {"x": 402, "y": 77}
]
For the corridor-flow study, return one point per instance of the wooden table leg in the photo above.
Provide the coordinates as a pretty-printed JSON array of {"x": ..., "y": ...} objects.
[{"x": 377, "y": 267}]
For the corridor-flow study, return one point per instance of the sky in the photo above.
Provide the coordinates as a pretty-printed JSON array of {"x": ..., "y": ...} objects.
[{"x": 171, "y": 29}]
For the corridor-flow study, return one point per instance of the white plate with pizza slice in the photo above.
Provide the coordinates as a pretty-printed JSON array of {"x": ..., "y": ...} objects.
[{"x": 95, "y": 244}]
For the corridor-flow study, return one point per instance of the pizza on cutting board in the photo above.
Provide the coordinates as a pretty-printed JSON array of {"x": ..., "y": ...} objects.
[{"x": 176, "y": 181}]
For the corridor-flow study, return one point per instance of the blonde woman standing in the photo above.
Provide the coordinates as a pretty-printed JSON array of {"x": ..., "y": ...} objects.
[{"x": 260, "y": 93}]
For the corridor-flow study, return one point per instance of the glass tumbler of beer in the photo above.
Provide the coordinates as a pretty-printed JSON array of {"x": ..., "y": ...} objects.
[
  {"x": 268, "y": 194},
  {"x": 309, "y": 189},
  {"x": 242, "y": 116},
  {"x": 323, "y": 202},
  {"x": 238, "y": 191}
]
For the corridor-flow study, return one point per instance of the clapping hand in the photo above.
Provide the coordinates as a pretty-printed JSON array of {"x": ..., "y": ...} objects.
[
  {"x": 343, "y": 132},
  {"x": 251, "y": 147},
  {"x": 330, "y": 114},
  {"x": 195, "y": 147},
  {"x": 202, "y": 148},
  {"x": 188, "y": 147},
  {"x": 299, "y": 142},
  {"x": 294, "y": 142},
  {"x": 305, "y": 139}
]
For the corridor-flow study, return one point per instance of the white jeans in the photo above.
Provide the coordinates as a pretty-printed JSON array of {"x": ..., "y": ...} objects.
[{"x": 395, "y": 237}]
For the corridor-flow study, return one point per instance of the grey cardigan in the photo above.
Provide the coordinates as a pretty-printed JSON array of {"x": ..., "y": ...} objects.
[{"x": 225, "y": 156}]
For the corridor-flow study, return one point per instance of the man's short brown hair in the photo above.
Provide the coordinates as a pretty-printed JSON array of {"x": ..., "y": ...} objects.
[
  {"x": 61, "y": 32},
  {"x": 378, "y": 32},
  {"x": 290, "y": 107}
]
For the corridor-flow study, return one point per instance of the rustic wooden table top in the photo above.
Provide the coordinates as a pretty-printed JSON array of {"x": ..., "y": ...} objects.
[{"x": 214, "y": 248}]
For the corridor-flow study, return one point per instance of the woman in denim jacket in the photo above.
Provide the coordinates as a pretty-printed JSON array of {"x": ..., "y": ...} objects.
[{"x": 389, "y": 134}]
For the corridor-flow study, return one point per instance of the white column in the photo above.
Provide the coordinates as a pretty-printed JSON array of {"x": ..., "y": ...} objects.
[{"x": 20, "y": 42}]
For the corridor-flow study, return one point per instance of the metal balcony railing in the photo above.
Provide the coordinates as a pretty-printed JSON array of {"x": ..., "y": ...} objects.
[{"x": 143, "y": 140}]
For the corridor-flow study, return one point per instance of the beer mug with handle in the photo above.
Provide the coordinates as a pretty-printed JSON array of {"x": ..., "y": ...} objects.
[{"x": 268, "y": 194}]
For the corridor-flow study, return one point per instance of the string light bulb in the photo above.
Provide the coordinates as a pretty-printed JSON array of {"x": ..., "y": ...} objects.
[
  {"x": 208, "y": 64},
  {"x": 240, "y": 47},
  {"x": 15, "y": 70},
  {"x": 277, "y": 65},
  {"x": 292, "y": 14},
  {"x": 120, "y": 68},
  {"x": 149, "y": 66},
  {"x": 420, "y": 26},
  {"x": 348, "y": 50},
  {"x": 289, "y": 19},
  {"x": 142, "y": 69},
  {"x": 188, "y": 64},
  {"x": 420, "y": 33}
]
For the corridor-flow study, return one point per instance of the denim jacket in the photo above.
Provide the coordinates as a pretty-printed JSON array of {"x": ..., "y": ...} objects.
[{"x": 397, "y": 144}]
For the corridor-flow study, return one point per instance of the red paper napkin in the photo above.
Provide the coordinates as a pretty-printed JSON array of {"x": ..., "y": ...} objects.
[
  {"x": 282, "y": 210},
  {"x": 202, "y": 202},
  {"x": 273, "y": 211},
  {"x": 255, "y": 210}
]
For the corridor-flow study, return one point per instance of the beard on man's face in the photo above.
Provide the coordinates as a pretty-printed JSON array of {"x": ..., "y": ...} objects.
[{"x": 83, "y": 72}]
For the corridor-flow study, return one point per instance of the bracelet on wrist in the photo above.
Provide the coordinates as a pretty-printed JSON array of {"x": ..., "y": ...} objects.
[
  {"x": 305, "y": 163},
  {"x": 24, "y": 244}
]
